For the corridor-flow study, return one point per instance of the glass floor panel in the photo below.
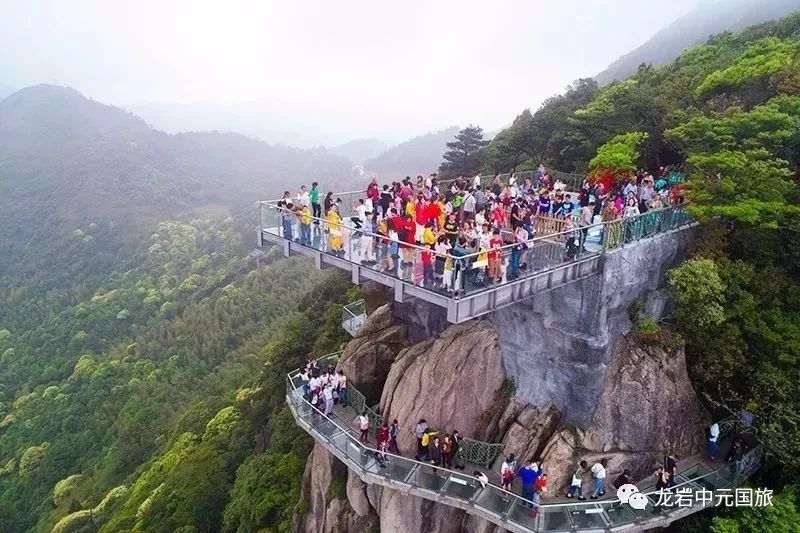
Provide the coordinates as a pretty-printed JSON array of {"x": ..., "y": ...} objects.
[{"x": 587, "y": 517}]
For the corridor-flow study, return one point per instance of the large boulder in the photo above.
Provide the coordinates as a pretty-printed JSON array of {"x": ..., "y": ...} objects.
[
  {"x": 647, "y": 407},
  {"x": 367, "y": 358},
  {"x": 314, "y": 490},
  {"x": 449, "y": 381},
  {"x": 528, "y": 430},
  {"x": 329, "y": 512},
  {"x": 375, "y": 295},
  {"x": 403, "y": 512}
]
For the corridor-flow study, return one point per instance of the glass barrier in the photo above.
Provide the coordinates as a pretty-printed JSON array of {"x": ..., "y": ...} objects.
[
  {"x": 339, "y": 436},
  {"x": 458, "y": 275},
  {"x": 353, "y": 317}
]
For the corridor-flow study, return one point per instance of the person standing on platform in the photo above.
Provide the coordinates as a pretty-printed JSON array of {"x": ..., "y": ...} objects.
[
  {"x": 313, "y": 196},
  {"x": 362, "y": 421}
]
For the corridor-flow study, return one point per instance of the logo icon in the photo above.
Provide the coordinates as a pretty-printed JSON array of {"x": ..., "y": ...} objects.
[{"x": 630, "y": 494}]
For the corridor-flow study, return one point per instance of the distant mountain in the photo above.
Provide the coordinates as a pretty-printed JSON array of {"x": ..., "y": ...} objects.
[
  {"x": 359, "y": 150},
  {"x": 708, "y": 18},
  {"x": 420, "y": 155},
  {"x": 71, "y": 166}
]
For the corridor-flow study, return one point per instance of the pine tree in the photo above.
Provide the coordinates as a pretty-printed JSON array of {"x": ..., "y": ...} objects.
[{"x": 463, "y": 155}]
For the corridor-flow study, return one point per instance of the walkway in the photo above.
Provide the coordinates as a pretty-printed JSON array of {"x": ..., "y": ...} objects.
[
  {"x": 459, "y": 489},
  {"x": 547, "y": 264}
]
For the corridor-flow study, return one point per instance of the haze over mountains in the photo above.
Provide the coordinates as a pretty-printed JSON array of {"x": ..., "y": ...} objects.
[
  {"x": 708, "y": 18},
  {"x": 68, "y": 163}
]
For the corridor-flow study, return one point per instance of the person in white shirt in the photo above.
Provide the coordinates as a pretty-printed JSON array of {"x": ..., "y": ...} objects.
[
  {"x": 327, "y": 395},
  {"x": 303, "y": 198},
  {"x": 476, "y": 181},
  {"x": 304, "y": 382},
  {"x": 361, "y": 213},
  {"x": 599, "y": 476},
  {"x": 362, "y": 421}
]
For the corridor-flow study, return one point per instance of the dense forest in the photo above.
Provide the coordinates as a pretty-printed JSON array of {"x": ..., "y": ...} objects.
[{"x": 142, "y": 352}]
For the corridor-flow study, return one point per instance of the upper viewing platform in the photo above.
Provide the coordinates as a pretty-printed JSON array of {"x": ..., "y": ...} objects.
[{"x": 474, "y": 247}]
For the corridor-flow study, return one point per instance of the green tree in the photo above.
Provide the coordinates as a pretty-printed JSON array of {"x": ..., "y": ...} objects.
[{"x": 463, "y": 155}]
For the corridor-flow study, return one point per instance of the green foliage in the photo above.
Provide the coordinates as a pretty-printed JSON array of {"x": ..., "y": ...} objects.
[
  {"x": 735, "y": 166},
  {"x": 698, "y": 291},
  {"x": 783, "y": 516},
  {"x": 619, "y": 155},
  {"x": 545, "y": 136},
  {"x": 65, "y": 487},
  {"x": 648, "y": 326},
  {"x": 759, "y": 60}
]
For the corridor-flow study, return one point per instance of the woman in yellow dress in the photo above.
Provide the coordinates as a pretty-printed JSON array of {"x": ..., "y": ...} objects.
[{"x": 335, "y": 231}]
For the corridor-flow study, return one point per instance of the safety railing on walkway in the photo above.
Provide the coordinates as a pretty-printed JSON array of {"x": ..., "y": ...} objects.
[
  {"x": 506, "y": 509},
  {"x": 473, "y": 451},
  {"x": 353, "y": 317},
  {"x": 460, "y": 273}
]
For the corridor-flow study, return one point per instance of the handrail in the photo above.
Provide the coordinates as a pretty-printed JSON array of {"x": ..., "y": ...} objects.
[
  {"x": 616, "y": 233},
  {"x": 359, "y": 444},
  {"x": 508, "y": 247}
]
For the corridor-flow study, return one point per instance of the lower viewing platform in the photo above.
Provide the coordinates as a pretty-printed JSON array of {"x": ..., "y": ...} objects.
[
  {"x": 459, "y": 283},
  {"x": 508, "y": 510}
]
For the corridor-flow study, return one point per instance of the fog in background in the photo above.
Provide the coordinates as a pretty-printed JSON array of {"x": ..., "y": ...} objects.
[{"x": 317, "y": 72}]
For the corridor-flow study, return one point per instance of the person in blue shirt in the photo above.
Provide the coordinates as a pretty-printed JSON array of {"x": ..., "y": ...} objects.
[
  {"x": 567, "y": 206},
  {"x": 544, "y": 202},
  {"x": 528, "y": 475}
]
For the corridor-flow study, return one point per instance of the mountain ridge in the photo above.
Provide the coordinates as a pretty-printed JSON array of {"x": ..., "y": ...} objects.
[{"x": 705, "y": 20}]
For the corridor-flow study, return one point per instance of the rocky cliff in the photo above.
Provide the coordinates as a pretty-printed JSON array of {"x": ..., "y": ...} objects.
[{"x": 572, "y": 359}]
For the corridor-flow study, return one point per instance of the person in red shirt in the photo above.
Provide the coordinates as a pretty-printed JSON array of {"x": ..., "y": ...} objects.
[
  {"x": 541, "y": 483},
  {"x": 432, "y": 213},
  {"x": 498, "y": 214},
  {"x": 382, "y": 438},
  {"x": 372, "y": 191},
  {"x": 421, "y": 211}
]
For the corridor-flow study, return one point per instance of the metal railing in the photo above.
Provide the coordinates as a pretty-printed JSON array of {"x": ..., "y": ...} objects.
[
  {"x": 461, "y": 275},
  {"x": 475, "y": 452},
  {"x": 486, "y": 500},
  {"x": 353, "y": 317}
]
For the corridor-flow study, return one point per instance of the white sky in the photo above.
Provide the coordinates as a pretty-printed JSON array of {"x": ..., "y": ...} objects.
[{"x": 364, "y": 67}]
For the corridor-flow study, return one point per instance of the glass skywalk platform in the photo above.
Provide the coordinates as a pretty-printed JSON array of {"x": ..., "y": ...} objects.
[
  {"x": 505, "y": 509},
  {"x": 462, "y": 293}
]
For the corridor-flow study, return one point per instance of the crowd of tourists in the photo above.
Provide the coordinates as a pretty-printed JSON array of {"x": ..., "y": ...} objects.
[{"x": 443, "y": 234}]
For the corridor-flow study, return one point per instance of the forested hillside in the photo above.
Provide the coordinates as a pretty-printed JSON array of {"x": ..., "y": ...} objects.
[
  {"x": 131, "y": 315},
  {"x": 728, "y": 112},
  {"x": 78, "y": 177}
]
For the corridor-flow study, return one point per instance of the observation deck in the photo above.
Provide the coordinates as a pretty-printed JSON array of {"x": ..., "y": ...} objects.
[
  {"x": 464, "y": 296},
  {"x": 506, "y": 509}
]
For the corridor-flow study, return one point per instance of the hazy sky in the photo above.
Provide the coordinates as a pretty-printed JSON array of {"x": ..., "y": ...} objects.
[{"x": 361, "y": 68}]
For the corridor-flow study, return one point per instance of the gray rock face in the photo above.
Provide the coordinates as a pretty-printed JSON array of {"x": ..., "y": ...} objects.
[
  {"x": 646, "y": 409},
  {"x": 557, "y": 344},
  {"x": 448, "y": 381},
  {"x": 424, "y": 319},
  {"x": 527, "y": 430},
  {"x": 402, "y": 512},
  {"x": 367, "y": 358}
]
